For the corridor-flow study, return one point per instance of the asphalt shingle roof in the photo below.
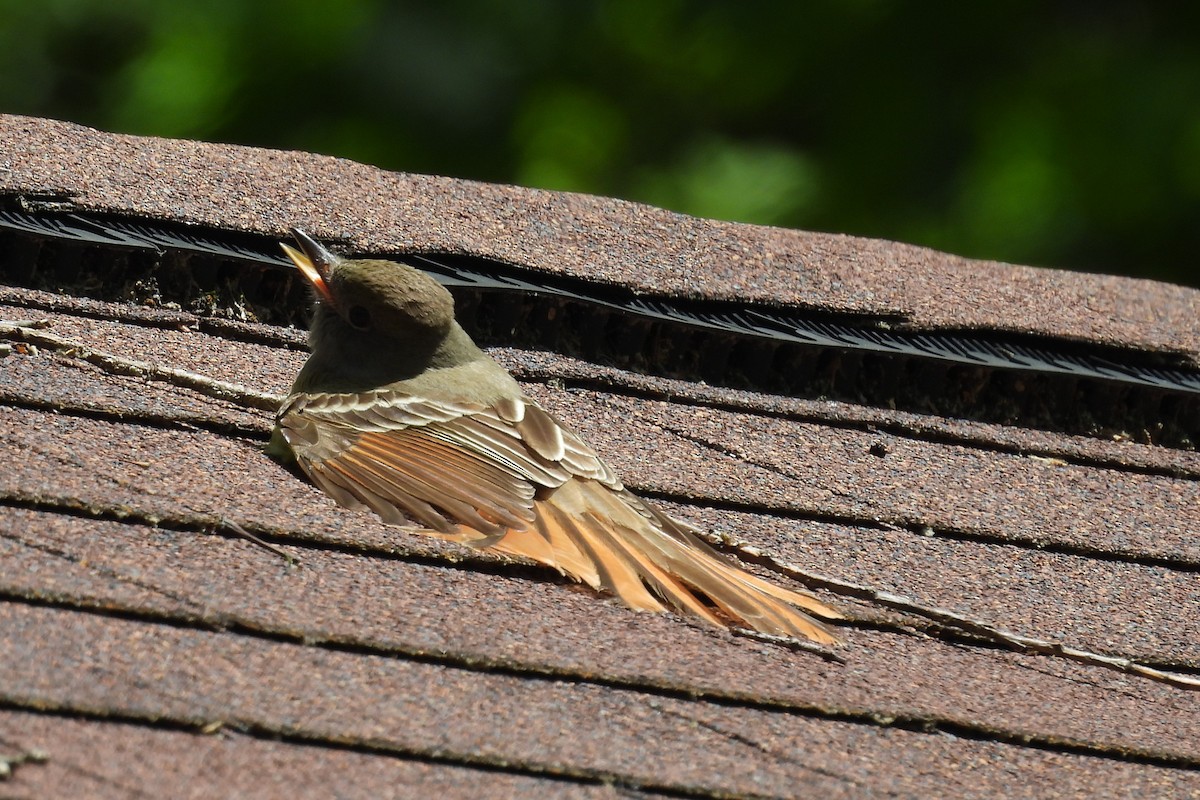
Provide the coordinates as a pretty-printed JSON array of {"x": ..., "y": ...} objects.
[{"x": 145, "y": 650}]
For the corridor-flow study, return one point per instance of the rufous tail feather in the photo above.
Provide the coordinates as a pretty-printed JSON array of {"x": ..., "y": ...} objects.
[{"x": 616, "y": 542}]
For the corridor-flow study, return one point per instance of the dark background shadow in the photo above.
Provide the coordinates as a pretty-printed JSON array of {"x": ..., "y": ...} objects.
[{"x": 1065, "y": 137}]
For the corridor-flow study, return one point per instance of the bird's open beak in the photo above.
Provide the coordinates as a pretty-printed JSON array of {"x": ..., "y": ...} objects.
[{"x": 315, "y": 262}]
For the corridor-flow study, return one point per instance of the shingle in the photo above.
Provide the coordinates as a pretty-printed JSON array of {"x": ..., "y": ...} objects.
[
  {"x": 1098, "y": 603},
  {"x": 100, "y": 759}
]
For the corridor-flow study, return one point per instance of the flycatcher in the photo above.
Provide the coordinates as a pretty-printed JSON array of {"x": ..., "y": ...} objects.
[{"x": 398, "y": 411}]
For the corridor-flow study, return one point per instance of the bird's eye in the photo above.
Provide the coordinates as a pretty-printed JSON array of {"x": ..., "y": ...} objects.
[{"x": 359, "y": 317}]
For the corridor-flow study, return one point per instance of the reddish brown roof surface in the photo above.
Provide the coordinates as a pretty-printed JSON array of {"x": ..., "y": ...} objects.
[{"x": 145, "y": 651}]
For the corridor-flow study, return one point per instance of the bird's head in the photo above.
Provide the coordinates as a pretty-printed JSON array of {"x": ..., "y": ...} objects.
[
  {"x": 371, "y": 297},
  {"x": 375, "y": 321}
]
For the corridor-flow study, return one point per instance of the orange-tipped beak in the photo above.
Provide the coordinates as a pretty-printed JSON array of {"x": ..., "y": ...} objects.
[{"x": 315, "y": 262}]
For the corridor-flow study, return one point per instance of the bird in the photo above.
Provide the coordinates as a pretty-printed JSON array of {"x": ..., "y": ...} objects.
[{"x": 398, "y": 411}]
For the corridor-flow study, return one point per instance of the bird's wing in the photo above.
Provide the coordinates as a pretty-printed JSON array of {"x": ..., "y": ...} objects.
[
  {"x": 435, "y": 462},
  {"x": 510, "y": 477}
]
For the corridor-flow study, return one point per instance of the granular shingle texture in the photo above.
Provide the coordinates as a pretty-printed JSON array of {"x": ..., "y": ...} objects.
[{"x": 147, "y": 651}]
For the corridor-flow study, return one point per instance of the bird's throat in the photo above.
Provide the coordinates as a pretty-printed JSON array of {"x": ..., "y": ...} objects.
[{"x": 345, "y": 360}]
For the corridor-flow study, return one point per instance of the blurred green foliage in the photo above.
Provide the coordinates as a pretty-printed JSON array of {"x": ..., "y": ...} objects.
[{"x": 1063, "y": 135}]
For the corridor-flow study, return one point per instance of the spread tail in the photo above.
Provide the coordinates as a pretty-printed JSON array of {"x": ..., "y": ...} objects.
[{"x": 614, "y": 541}]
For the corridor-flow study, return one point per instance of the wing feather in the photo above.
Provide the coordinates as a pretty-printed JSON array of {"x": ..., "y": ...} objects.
[
  {"x": 449, "y": 471},
  {"x": 615, "y": 573},
  {"x": 540, "y": 431},
  {"x": 568, "y": 557},
  {"x": 620, "y": 541},
  {"x": 683, "y": 531},
  {"x": 398, "y": 461},
  {"x": 381, "y": 499}
]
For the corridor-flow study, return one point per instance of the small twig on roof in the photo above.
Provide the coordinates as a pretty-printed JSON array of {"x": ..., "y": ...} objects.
[
  {"x": 30, "y": 332},
  {"x": 8, "y": 764},
  {"x": 230, "y": 525},
  {"x": 823, "y": 651},
  {"x": 954, "y": 620}
]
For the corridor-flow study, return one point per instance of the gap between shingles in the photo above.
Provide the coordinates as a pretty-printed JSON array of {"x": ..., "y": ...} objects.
[
  {"x": 372, "y": 747},
  {"x": 212, "y": 525},
  {"x": 616, "y": 383},
  {"x": 753, "y": 744},
  {"x": 1131, "y": 557},
  {"x": 164, "y": 422},
  {"x": 914, "y": 723}
]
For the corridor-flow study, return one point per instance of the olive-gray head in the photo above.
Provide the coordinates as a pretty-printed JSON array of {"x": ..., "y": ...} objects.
[{"x": 375, "y": 322}]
